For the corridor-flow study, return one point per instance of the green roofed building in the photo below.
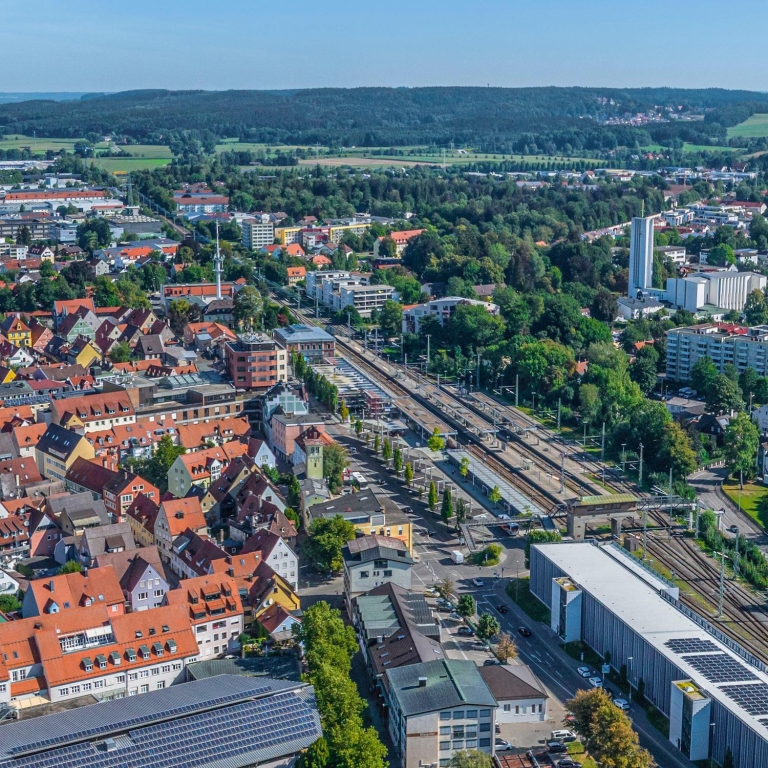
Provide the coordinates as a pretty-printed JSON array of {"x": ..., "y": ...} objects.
[{"x": 438, "y": 708}]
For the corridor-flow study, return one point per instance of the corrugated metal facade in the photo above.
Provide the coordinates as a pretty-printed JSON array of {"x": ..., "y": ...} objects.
[{"x": 604, "y": 632}]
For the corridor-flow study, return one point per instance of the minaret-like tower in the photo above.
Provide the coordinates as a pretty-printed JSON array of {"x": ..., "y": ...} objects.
[{"x": 217, "y": 264}]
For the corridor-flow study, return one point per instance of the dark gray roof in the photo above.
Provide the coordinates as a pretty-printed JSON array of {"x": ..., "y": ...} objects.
[
  {"x": 79, "y": 507},
  {"x": 363, "y": 549},
  {"x": 449, "y": 683},
  {"x": 285, "y": 667},
  {"x": 365, "y": 502},
  {"x": 58, "y": 441},
  {"x": 225, "y": 721}
]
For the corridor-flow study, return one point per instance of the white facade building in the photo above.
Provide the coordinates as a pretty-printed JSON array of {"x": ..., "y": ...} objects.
[
  {"x": 721, "y": 289},
  {"x": 257, "y": 234},
  {"x": 441, "y": 309},
  {"x": 364, "y": 298}
]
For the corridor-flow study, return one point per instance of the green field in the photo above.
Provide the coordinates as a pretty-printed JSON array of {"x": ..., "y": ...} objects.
[
  {"x": 754, "y": 127},
  {"x": 126, "y": 164},
  {"x": 37, "y": 145},
  {"x": 689, "y": 148}
]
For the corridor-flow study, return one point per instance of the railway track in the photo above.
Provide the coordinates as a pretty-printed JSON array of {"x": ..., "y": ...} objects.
[{"x": 745, "y": 619}]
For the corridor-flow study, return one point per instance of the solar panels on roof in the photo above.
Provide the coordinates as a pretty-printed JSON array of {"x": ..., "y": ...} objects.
[
  {"x": 752, "y": 698},
  {"x": 691, "y": 645},
  {"x": 720, "y": 668}
]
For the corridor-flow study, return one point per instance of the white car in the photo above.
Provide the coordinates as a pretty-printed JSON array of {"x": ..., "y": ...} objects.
[
  {"x": 501, "y": 745},
  {"x": 584, "y": 671},
  {"x": 595, "y": 682},
  {"x": 622, "y": 704},
  {"x": 478, "y": 582},
  {"x": 563, "y": 735}
]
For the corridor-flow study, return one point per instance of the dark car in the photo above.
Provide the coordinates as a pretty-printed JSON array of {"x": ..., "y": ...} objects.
[
  {"x": 556, "y": 747},
  {"x": 566, "y": 762},
  {"x": 503, "y": 609},
  {"x": 491, "y": 663},
  {"x": 465, "y": 632},
  {"x": 524, "y": 631}
]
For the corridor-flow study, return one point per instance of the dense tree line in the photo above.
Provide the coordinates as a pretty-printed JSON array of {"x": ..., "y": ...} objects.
[{"x": 524, "y": 120}]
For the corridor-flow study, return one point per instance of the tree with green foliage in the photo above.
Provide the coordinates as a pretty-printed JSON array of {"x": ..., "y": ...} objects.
[
  {"x": 464, "y": 467},
  {"x": 432, "y": 497},
  {"x": 724, "y": 395},
  {"x": 446, "y": 509},
  {"x": 386, "y": 450},
  {"x": 9, "y": 604},
  {"x": 676, "y": 451},
  {"x": 358, "y": 428},
  {"x": 376, "y": 445},
  {"x": 391, "y": 319},
  {"x": 461, "y": 511},
  {"x": 494, "y": 496},
  {"x": 721, "y": 255},
  {"x": 248, "y": 307},
  {"x": 71, "y": 566},
  {"x": 105, "y": 292},
  {"x": 539, "y": 536},
  {"x": 334, "y": 462},
  {"x": 436, "y": 442},
  {"x": 470, "y": 758},
  {"x": 326, "y": 538},
  {"x": 155, "y": 467},
  {"x": 408, "y": 474},
  {"x": 703, "y": 374},
  {"x": 94, "y": 233},
  {"x": 643, "y": 373},
  {"x": 756, "y": 308},
  {"x": 120, "y": 353},
  {"x": 343, "y": 412},
  {"x": 397, "y": 460},
  {"x": 466, "y": 606},
  {"x": 741, "y": 442},
  {"x": 487, "y": 626}
]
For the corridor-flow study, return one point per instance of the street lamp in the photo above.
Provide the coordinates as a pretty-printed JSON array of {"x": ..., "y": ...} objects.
[{"x": 630, "y": 659}]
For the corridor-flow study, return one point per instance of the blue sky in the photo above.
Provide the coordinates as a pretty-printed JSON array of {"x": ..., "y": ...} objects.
[{"x": 83, "y": 45}]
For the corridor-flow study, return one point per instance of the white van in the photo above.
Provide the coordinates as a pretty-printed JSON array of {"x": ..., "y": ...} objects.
[{"x": 457, "y": 557}]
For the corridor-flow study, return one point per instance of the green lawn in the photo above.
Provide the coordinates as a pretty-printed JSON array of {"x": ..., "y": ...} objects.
[
  {"x": 753, "y": 128},
  {"x": 576, "y": 750},
  {"x": 706, "y": 148},
  {"x": 126, "y": 164},
  {"x": 37, "y": 145},
  {"x": 520, "y": 592},
  {"x": 750, "y": 499}
]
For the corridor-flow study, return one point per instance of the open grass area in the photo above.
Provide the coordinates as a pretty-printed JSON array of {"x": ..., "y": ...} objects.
[
  {"x": 706, "y": 148},
  {"x": 520, "y": 592},
  {"x": 38, "y": 146},
  {"x": 127, "y": 164},
  {"x": 149, "y": 150},
  {"x": 753, "y": 128},
  {"x": 751, "y": 496},
  {"x": 577, "y": 751}
]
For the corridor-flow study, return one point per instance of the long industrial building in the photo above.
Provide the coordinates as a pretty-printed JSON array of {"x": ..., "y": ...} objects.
[{"x": 714, "y": 692}]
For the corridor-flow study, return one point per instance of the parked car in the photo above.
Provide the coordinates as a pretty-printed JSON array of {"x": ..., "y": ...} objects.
[
  {"x": 501, "y": 745},
  {"x": 478, "y": 582},
  {"x": 556, "y": 746},
  {"x": 734, "y": 529},
  {"x": 566, "y": 762},
  {"x": 584, "y": 671},
  {"x": 479, "y": 647},
  {"x": 491, "y": 663},
  {"x": 465, "y": 632},
  {"x": 431, "y": 592},
  {"x": 563, "y": 735},
  {"x": 503, "y": 608},
  {"x": 524, "y": 631},
  {"x": 595, "y": 682},
  {"x": 622, "y": 704}
]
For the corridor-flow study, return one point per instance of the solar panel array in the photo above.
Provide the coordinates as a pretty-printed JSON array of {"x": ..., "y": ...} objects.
[
  {"x": 720, "y": 668},
  {"x": 124, "y": 725},
  {"x": 752, "y": 698},
  {"x": 691, "y": 645},
  {"x": 273, "y": 726}
]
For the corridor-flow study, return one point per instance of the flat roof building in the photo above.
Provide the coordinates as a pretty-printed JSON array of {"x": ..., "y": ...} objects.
[
  {"x": 306, "y": 340},
  {"x": 714, "y": 692},
  {"x": 255, "y": 361}
]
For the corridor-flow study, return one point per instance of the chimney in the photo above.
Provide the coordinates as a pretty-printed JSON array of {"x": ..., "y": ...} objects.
[
  {"x": 422, "y": 682},
  {"x": 50, "y": 585}
]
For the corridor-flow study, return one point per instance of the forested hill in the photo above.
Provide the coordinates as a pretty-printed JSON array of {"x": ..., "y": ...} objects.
[{"x": 494, "y": 118}]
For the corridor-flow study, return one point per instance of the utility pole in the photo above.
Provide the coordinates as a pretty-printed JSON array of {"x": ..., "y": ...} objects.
[
  {"x": 736, "y": 556},
  {"x": 429, "y": 336},
  {"x": 559, "y": 407},
  {"x": 640, "y": 473},
  {"x": 317, "y": 304},
  {"x": 517, "y": 389},
  {"x": 477, "y": 387},
  {"x": 562, "y": 472},
  {"x": 722, "y": 586},
  {"x": 602, "y": 445},
  {"x": 645, "y": 531}
]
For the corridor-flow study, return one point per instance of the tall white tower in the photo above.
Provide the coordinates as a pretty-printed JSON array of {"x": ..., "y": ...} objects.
[
  {"x": 640, "y": 255},
  {"x": 217, "y": 264}
]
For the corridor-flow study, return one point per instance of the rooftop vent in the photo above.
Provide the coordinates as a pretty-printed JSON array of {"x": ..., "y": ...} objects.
[{"x": 422, "y": 682}]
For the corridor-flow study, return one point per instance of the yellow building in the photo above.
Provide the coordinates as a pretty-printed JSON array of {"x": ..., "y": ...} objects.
[
  {"x": 6, "y": 375},
  {"x": 288, "y": 235},
  {"x": 16, "y": 331},
  {"x": 83, "y": 352},
  {"x": 58, "y": 449}
]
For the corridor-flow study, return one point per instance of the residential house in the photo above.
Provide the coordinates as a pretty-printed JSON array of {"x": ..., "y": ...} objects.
[
  {"x": 40, "y": 336},
  {"x": 71, "y": 591},
  {"x": 66, "y": 307},
  {"x": 80, "y": 324},
  {"x": 14, "y": 538},
  {"x": 141, "y": 516},
  {"x": 284, "y": 428},
  {"x": 141, "y": 575},
  {"x": 202, "y": 467},
  {"x": 296, "y": 274},
  {"x": 438, "y": 708},
  {"x": 16, "y": 331},
  {"x": 173, "y": 518},
  {"x": 115, "y": 537},
  {"x": 44, "y": 532},
  {"x": 207, "y": 336},
  {"x": 400, "y": 239},
  {"x": 215, "y": 612},
  {"x": 93, "y": 412},
  {"x": 197, "y": 436},
  {"x": 279, "y": 623},
  {"x": 84, "y": 352},
  {"x": 58, "y": 449},
  {"x": 276, "y": 554},
  {"x": 520, "y": 695},
  {"x": 370, "y": 561},
  {"x": 88, "y": 651},
  {"x": 192, "y": 554},
  {"x": 77, "y": 511}
]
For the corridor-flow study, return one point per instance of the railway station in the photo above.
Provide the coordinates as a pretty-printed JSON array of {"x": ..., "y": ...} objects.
[{"x": 714, "y": 691}]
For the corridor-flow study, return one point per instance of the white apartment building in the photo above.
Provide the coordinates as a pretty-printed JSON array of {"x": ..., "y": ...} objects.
[
  {"x": 675, "y": 253},
  {"x": 257, "y": 233},
  {"x": 441, "y": 309},
  {"x": 722, "y": 342},
  {"x": 315, "y": 280},
  {"x": 364, "y": 298}
]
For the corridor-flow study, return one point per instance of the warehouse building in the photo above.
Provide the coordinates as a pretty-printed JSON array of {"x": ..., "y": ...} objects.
[{"x": 714, "y": 692}]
